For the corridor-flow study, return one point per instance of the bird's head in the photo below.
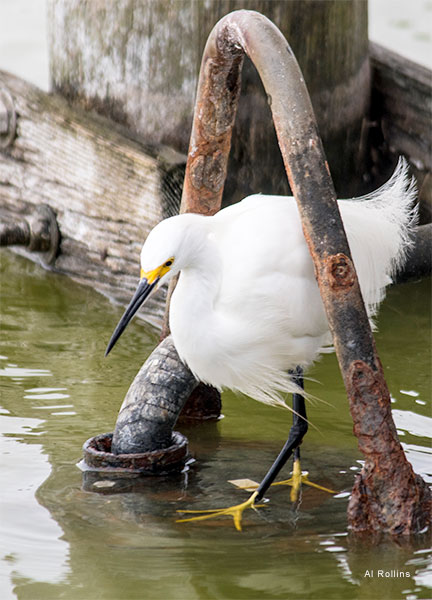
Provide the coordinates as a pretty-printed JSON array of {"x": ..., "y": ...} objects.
[{"x": 163, "y": 255}]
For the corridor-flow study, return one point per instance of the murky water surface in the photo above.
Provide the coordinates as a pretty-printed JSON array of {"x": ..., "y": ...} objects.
[{"x": 59, "y": 541}]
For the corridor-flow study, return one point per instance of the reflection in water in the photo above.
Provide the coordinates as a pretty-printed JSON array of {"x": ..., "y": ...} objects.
[
  {"x": 31, "y": 538},
  {"x": 17, "y": 374},
  {"x": 57, "y": 390},
  {"x": 408, "y": 422}
]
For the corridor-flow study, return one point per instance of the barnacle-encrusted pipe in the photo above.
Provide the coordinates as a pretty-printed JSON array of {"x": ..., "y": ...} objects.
[{"x": 153, "y": 403}]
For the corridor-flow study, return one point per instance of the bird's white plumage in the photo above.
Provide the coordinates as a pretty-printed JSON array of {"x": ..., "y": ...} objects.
[{"x": 247, "y": 306}]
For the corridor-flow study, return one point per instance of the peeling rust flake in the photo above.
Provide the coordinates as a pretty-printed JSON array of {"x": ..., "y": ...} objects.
[
  {"x": 208, "y": 171},
  {"x": 369, "y": 404},
  {"x": 196, "y": 171},
  {"x": 364, "y": 382}
]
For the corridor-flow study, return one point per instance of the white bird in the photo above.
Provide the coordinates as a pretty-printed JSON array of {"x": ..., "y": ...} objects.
[{"x": 247, "y": 309}]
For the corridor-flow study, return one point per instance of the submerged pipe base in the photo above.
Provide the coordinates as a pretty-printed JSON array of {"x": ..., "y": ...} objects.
[
  {"x": 204, "y": 404},
  {"x": 99, "y": 458}
]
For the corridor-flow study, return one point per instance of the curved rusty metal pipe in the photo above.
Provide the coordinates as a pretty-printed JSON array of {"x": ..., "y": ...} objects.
[{"x": 387, "y": 494}]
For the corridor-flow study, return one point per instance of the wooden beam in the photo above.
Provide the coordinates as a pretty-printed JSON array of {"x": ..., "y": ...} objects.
[
  {"x": 107, "y": 188},
  {"x": 138, "y": 63},
  {"x": 403, "y": 90},
  {"x": 402, "y": 112}
]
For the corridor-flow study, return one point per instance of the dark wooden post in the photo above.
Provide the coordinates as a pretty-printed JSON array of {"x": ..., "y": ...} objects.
[{"x": 138, "y": 61}]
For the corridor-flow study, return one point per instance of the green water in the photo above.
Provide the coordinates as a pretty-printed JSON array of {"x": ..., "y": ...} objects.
[{"x": 61, "y": 542}]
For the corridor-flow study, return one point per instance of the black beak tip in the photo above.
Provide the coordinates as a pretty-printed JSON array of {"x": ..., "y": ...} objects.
[
  {"x": 142, "y": 292},
  {"x": 108, "y": 348},
  {"x": 115, "y": 336}
]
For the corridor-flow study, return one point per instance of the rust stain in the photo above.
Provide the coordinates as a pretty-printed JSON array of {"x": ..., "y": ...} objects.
[
  {"x": 340, "y": 272},
  {"x": 196, "y": 171}
]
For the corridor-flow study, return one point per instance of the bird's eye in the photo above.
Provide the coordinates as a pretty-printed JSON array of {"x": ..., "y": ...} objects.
[{"x": 169, "y": 263}]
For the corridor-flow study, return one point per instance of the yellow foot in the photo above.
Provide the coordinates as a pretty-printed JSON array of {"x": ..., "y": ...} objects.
[
  {"x": 236, "y": 512},
  {"x": 295, "y": 481},
  {"x": 298, "y": 478}
]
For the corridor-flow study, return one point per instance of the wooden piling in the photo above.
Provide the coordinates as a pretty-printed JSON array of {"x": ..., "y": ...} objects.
[{"x": 138, "y": 63}]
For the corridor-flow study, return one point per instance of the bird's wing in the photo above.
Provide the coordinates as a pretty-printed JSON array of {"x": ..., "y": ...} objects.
[{"x": 267, "y": 268}]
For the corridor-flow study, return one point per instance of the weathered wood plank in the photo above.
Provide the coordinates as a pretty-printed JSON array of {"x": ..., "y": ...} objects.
[
  {"x": 107, "y": 189},
  {"x": 402, "y": 108},
  {"x": 403, "y": 96}
]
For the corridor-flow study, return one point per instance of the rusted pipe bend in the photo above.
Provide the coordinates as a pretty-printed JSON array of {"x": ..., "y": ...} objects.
[{"x": 248, "y": 32}]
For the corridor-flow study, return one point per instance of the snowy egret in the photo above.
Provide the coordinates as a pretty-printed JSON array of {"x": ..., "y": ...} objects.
[{"x": 246, "y": 313}]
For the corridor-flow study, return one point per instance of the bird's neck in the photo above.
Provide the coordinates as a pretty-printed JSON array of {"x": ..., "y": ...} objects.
[
  {"x": 192, "y": 305},
  {"x": 199, "y": 284}
]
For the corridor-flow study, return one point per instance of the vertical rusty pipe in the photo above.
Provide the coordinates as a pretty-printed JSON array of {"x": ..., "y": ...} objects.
[{"x": 387, "y": 494}]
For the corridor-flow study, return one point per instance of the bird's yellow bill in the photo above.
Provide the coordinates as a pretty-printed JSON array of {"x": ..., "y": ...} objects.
[
  {"x": 154, "y": 275},
  {"x": 148, "y": 283}
]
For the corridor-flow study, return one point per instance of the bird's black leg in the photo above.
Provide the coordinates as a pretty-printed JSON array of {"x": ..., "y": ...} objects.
[{"x": 296, "y": 434}]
